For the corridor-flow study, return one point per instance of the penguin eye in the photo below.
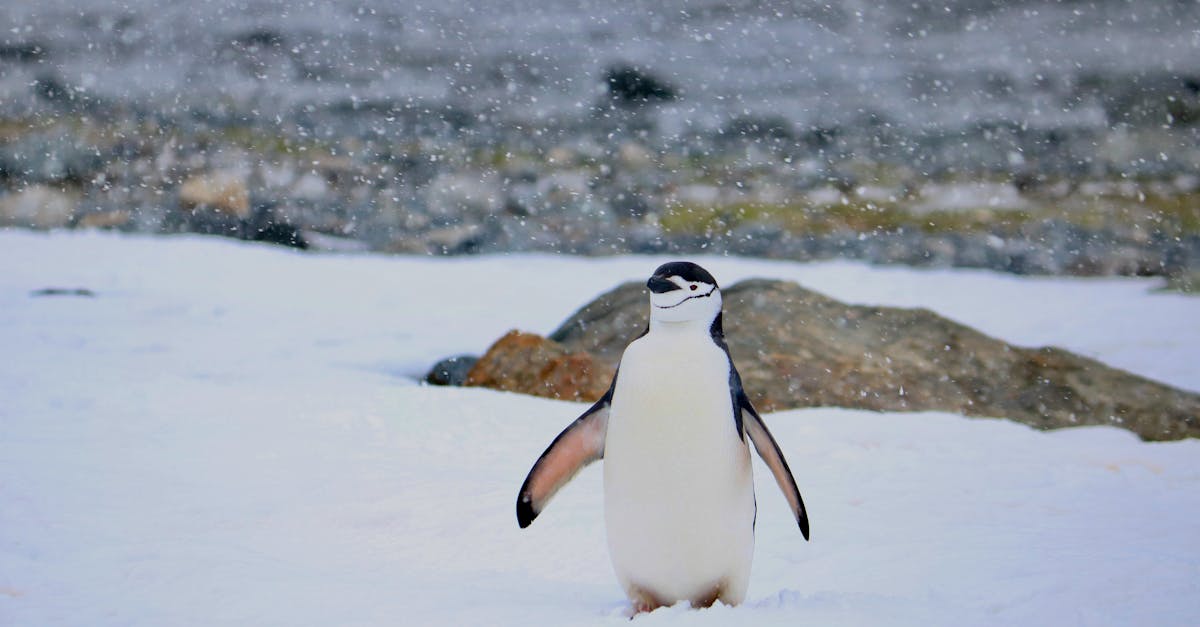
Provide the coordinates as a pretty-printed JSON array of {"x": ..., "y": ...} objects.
[{"x": 693, "y": 286}]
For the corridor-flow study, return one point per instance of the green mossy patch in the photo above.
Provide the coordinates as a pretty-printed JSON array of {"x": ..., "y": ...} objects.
[
  {"x": 859, "y": 216},
  {"x": 1154, "y": 214}
]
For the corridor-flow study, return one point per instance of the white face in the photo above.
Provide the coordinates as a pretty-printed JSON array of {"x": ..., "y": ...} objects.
[{"x": 694, "y": 300}]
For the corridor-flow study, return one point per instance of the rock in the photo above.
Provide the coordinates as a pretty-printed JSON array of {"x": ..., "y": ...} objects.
[
  {"x": 50, "y": 156},
  {"x": 561, "y": 156},
  {"x": 531, "y": 364},
  {"x": 262, "y": 223},
  {"x": 52, "y": 89},
  {"x": 605, "y": 326},
  {"x": 797, "y": 348},
  {"x": 634, "y": 156},
  {"x": 771, "y": 128},
  {"x": 272, "y": 231},
  {"x": 259, "y": 38},
  {"x": 82, "y": 292},
  {"x": 223, "y": 191},
  {"x": 324, "y": 242},
  {"x": 456, "y": 240},
  {"x": 697, "y": 194},
  {"x": 969, "y": 196},
  {"x": 451, "y": 371},
  {"x": 23, "y": 52},
  {"x": 105, "y": 219},
  {"x": 39, "y": 207},
  {"x": 1187, "y": 282},
  {"x": 453, "y": 195},
  {"x": 563, "y": 186},
  {"x": 311, "y": 187},
  {"x": 631, "y": 85}
]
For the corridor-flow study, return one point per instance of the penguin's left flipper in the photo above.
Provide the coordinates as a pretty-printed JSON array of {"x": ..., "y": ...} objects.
[
  {"x": 769, "y": 451},
  {"x": 578, "y": 445}
]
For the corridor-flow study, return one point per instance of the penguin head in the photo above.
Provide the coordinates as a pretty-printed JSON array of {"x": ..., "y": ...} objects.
[{"x": 681, "y": 291}]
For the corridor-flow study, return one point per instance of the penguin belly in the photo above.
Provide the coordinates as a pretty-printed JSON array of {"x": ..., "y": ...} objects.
[{"x": 678, "y": 490}]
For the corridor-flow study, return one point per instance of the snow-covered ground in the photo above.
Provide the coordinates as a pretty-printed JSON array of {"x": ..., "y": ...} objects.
[{"x": 232, "y": 434}]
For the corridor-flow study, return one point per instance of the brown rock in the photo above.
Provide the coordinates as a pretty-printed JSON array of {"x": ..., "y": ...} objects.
[
  {"x": 39, "y": 207},
  {"x": 531, "y": 364},
  {"x": 105, "y": 219},
  {"x": 224, "y": 192},
  {"x": 797, "y": 348}
]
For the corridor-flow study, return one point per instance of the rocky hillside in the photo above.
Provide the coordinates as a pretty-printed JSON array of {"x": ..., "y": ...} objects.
[{"x": 1033, "y": 137}]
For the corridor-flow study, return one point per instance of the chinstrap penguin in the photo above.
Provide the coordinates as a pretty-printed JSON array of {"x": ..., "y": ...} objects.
[{"x": 672, "y": 429}]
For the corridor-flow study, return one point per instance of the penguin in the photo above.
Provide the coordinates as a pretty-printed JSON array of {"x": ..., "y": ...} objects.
[{"x": 673, "y": 431}]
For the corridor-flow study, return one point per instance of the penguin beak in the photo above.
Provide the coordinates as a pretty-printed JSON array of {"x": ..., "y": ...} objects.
[{"x": 660, "y": 285}]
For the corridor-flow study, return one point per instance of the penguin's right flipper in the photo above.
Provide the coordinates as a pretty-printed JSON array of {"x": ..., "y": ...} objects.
[
  {"x": 578, "y": 445},
  {"x": 769, "y": 451}
]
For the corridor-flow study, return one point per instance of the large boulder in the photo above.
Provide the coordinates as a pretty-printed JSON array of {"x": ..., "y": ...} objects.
[{"x": 797, "y": 348}]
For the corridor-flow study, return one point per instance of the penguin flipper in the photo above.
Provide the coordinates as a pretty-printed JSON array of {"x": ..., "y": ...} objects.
[
  {"x": 769, "y": 451},
  {"x": 578, "y": 445}
]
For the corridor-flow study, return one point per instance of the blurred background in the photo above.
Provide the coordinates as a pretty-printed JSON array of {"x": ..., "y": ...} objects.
[{"x": 1035, "y": 137}]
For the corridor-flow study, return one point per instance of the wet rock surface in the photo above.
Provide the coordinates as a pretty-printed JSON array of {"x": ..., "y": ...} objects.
[
  {"x": 797, "y": 348},
  {"x": 530, "y": 364},
  {"x": 451, "y": 371}
]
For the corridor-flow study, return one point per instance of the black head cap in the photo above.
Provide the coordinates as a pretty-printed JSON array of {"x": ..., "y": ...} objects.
[{"x": 685, "y": 270}]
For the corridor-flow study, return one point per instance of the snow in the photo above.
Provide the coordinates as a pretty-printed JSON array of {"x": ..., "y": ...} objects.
[{"x": 232, "y": 434}]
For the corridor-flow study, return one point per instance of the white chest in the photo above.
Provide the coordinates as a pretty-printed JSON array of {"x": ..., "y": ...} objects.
[
  {"x": 673, "y": 386},
  {"x": 679, "y": 500}
]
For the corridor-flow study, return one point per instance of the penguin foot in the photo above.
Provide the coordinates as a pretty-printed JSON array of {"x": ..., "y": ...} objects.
[
  {"x": 643, "y": 601},
  {"x": 708, "y": 599}
]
